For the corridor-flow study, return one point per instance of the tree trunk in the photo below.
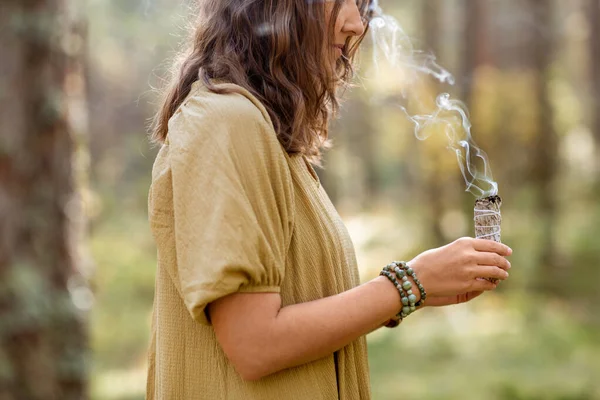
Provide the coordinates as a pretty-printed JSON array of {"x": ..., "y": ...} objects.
[
  {"x": 594, "y": 23},
  {"x": 42, "y": 295},
  {"x": 431, "y": 24},
  {"x": 433, "y": 182},
  {"x": 545, "y": 157},
  {"x": 476, "y": 45}
]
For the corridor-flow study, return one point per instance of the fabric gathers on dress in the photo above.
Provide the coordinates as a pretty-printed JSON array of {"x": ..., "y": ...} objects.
[{"x": 232, "y": 212}]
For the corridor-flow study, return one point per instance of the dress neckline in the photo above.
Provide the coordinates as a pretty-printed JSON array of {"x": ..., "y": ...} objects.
[{"x": 310, "y": 169}]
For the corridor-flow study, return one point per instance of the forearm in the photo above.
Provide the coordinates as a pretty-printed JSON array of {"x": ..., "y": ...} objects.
[
  {"x": 308, "y": 331},
  {"x": 272, "y": 338}
]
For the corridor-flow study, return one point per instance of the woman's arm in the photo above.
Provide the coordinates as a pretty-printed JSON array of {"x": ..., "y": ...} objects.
[{"x": 260, "y": 337}]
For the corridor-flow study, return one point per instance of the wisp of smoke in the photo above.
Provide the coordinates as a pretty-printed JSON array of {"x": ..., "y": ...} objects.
[{"x": 393, "y": 46}]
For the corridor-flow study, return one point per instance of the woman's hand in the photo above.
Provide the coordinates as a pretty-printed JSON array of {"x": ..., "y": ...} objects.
[
  {"x": 451, "y": 300},
  {"x": 453, "y": 273}
]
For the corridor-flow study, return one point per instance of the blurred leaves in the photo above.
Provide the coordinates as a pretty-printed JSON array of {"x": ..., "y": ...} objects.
[{"x": 536, "y": 338}]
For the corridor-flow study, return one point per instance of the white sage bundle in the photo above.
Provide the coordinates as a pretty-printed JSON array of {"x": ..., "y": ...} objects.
[{"x": 488, "y": 219}]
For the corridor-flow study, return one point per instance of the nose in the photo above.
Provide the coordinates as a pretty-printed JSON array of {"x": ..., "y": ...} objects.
[{"x": 353, "y": 23}]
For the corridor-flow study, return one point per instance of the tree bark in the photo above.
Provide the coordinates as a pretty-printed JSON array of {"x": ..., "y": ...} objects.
[{"x": 42, "y": 335}]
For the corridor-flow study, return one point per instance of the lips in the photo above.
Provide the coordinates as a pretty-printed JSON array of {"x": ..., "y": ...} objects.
[{"x": 340, "y": 48}]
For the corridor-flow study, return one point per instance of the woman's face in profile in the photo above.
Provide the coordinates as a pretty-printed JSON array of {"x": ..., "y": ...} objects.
[{"x": 347, "y": 25}]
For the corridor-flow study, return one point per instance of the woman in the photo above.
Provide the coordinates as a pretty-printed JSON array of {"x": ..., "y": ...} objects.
[{"x": 257, "y": 288}]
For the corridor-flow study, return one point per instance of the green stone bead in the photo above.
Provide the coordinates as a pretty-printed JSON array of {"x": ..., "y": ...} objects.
[
  {"x": 413, "y": 308},
  {"x": 406, "y": 310},
  {"x": 405, "y": 301},
  {"x": 409, "y": 292},
  {"x": 407, "y": 285},
  {"x": 404, "y": 278},
  {"x": 400, "y": 273},
  {"x": 412, "y": 298},
  {"x": 409, "y": 271}
]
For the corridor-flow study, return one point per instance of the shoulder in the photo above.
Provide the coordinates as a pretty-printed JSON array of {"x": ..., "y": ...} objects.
[
  {"x": 235, "y": 102},
  {"x": 232, "y": 116},
  {"x": 231, "y": 132}
]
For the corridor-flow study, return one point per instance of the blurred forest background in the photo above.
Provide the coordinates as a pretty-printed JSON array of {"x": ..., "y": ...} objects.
[{"x": 529, "y": 71}]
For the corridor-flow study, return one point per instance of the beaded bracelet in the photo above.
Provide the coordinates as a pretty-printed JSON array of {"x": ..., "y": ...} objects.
[
  {"x": 405, "y": 288},
  {"x": 394, "y": 321},
  {"x": 403, "y": 271},
  {"x": 410, "y": 272},
  {"x": 407, "y": 295}
]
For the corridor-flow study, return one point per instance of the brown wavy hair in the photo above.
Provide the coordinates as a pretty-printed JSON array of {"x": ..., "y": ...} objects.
[{"x": 276, "y": 49}]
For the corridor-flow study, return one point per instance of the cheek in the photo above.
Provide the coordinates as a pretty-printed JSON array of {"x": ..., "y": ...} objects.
[
  {"x": 328, "y": 12},
  {"x": 333, "y": 28}
]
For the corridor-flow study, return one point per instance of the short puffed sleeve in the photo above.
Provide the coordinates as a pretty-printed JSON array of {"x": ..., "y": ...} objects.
[{"x": 232, "y": 200}]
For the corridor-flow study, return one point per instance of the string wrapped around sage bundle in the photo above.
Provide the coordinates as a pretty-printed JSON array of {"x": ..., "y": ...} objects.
[{"x": 488, "y": 219}]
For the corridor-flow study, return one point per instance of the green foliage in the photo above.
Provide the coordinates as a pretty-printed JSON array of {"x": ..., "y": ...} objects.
[
  {"x": 461, "y": 354},
  {"x": 583, "y": 284},
  {"x": 507, "y": 346},
  {"x": 517, "y": 344},
  {"x": 124, "y": 284}
]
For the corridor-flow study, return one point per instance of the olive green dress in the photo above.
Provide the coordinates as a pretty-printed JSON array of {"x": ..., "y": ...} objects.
[{"x": 231, "y": 212}]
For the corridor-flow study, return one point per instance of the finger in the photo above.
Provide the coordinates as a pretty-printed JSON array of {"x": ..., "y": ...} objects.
[
  {"x": 492, "y": 259},
  {"x": 482, "y": 285},
  {"x": 471, "y": 295},
  {"x": 492, "y": 247},
  {"x": 463, "y": 298},
  {"x": 490, "y": 272}
]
